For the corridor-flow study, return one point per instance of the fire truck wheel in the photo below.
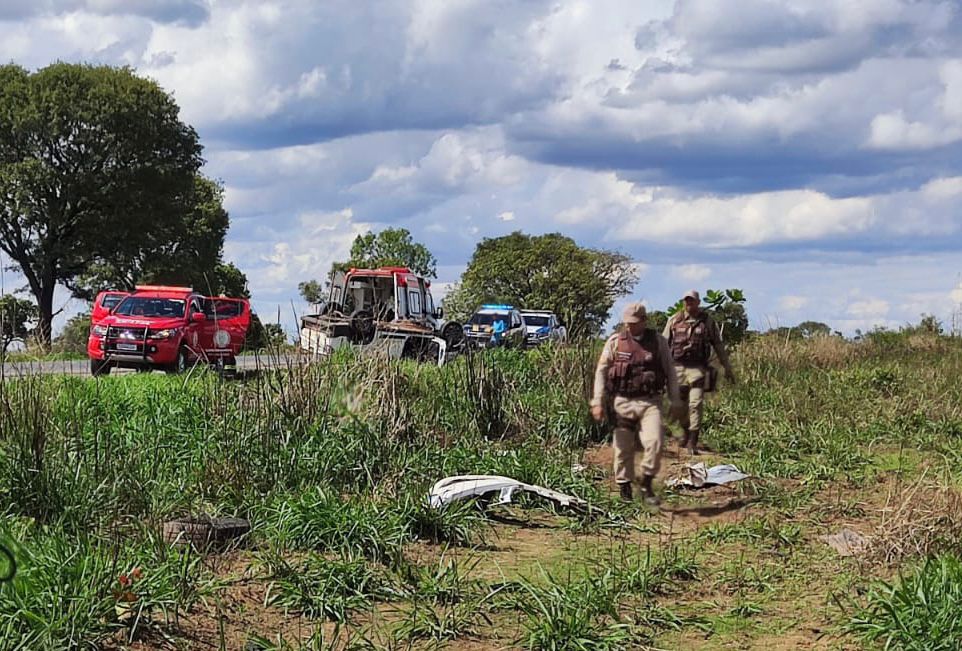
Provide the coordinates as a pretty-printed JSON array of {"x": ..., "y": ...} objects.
[
  {"x": 180, "y": 364},
  {"x": 99, "y": 367}
]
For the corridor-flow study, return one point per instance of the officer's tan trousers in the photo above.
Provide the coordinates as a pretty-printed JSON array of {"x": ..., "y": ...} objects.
[
  {"x": 691, "y": 381},
  {"x": 638, "y": 428}
]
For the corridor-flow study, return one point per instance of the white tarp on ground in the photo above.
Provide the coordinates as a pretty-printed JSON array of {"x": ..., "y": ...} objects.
[
  {"x": 452, "y": 489},
  {"x": 699, "y": 475}
]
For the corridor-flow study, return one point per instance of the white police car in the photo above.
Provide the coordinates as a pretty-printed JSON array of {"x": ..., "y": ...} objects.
[{"x": 542, "y": 326}]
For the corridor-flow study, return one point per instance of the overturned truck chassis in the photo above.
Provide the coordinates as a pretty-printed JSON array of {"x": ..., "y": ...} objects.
[{"x": 387, "y": 310}]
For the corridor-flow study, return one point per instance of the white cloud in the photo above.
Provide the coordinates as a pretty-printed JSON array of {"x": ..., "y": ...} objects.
[
  {"x": 692, "y": 272},
  {"x": 956, "y": 294},
  {"x": 873, "y": 308},
  {"x": 893, "y": 131},
  {"x": 506, "y": 216},
  {"x": 792, "y": 303}
]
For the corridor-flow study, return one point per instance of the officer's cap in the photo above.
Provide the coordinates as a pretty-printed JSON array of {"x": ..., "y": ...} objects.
[
  {"x": 634, "y": 313},
  {"x": 692, "y": 293}
]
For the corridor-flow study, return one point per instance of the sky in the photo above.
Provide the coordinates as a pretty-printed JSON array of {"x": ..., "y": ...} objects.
[{"x": 808, "y": 152}]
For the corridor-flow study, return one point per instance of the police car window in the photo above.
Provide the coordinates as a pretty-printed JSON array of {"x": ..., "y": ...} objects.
[{"x": 534, "y": 320}]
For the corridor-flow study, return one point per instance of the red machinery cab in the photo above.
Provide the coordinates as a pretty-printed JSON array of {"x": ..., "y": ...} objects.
[{"x": 166, "y": 328}]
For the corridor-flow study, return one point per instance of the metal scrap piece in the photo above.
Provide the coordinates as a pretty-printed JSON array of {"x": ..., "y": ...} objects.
[{"x": 461, "y": 487}]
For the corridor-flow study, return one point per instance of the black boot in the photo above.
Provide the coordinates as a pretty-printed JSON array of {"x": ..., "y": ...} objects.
[
  {"x": 650, "y": 497},
  {"x": 693, "y": 442},
  {"x": 683, "y": 441},
  {"x": 625, "y": 488}
]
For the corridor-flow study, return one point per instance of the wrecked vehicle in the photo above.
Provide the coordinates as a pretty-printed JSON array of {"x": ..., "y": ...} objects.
[
  {"x": 494, "y": 325},
  {"x": 165, "y": 328},
  {"x": 388, "y": 309}
]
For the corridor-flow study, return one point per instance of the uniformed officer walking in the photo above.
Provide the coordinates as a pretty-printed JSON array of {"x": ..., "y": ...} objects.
[
  {"x": 692, "y": 335},
  {"x": 634, "y": 369}
]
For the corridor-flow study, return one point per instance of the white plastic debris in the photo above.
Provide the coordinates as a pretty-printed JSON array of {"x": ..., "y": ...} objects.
[
  {"x": 700, "y": 476},
  {"x": 452, "y": 489}
]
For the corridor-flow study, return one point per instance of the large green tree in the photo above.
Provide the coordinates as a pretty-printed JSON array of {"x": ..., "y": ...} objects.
[
  {"x": 184, "y": 251},
  {"x": 545, "y": 272},
  {"x": 390, "y": 247},
  {"x": 95, "y": 165}
]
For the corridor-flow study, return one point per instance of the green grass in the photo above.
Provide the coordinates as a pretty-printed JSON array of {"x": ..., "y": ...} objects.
[
  {"x": 332, "y": 464},
  {"x": 919, "y": 612}
]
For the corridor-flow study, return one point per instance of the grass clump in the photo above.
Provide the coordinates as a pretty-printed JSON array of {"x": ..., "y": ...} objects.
[{"x": 920, "y": 612}]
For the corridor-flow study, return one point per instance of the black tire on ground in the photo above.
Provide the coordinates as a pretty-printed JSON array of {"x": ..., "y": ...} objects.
[
  {"x": 99, "y": 367},
  {"x": 180, "y": 364},
  {"x": 204, "y": 532}
]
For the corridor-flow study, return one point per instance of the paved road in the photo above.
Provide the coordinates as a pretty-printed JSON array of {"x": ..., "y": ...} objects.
[{"x": 82, "y": 367}]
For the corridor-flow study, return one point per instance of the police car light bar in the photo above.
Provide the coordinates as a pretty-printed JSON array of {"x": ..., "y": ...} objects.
[{"x": 496, "y": 306}]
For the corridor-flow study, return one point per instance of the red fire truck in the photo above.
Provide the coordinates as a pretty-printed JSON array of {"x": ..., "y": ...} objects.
[{"x": 166, "y": 328}]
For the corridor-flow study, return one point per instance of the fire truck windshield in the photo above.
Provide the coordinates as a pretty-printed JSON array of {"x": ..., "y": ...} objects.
[{"x": 151, "y": 307}]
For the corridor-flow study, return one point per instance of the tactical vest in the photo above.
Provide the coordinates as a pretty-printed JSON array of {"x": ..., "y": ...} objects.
[
  {"x": 689, "y": 341},
  {"x": 636, "y": 371}
]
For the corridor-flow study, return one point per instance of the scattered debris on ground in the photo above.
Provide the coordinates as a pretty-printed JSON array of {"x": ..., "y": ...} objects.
[
  {"x": 700, "y": 476},
  {"x": 461, "y": 487},
  {"x": 846, "y": 542}
]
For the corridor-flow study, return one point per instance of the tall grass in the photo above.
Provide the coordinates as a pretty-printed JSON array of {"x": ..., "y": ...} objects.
[{"x": 335, "y": 459}]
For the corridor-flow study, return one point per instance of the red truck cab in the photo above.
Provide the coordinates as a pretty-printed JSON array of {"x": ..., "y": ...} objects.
[{"x": 166, "y": 328}]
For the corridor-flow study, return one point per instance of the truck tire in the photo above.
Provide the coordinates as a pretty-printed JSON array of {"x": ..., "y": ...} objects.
[
  {"x": 453, "y": 335},
  {"x": 180, "y": 364},
  {"x": 99, "y": 367},
  {"x": 204, "y": 532}
]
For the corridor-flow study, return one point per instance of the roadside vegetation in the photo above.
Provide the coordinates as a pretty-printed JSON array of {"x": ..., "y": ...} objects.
[{"x": 332, "y": 463}]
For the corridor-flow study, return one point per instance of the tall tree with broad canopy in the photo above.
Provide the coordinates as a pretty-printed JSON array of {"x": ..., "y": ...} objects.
[
  {"x": 392, "y": 247},
  {"x": 185, "y": 251},
  {"x": 97, "y": 173},
  {"x": 549, "y": 272}
]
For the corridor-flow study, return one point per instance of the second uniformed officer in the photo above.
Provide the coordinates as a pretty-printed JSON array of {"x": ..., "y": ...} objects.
[
  {"x": 634, "y": 369},
  {"x": 691, "y": 335}
]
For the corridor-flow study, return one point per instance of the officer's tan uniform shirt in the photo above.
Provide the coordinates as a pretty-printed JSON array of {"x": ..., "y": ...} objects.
[
  {"x": 608, "y": 356},
  {"x": 711, "y": 329}
]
